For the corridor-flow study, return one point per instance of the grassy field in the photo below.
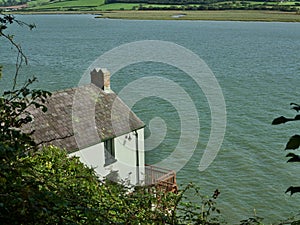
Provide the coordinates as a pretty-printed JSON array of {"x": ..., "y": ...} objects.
[
  {"x": 80, "y": 4},
  {"x": 84, "y": 5},
  {"x": 118, "y": 6},
  {"x": 40, "y": 5},
  {"x": 228, "y": 15},
  {"x": 124, "y": 11}
]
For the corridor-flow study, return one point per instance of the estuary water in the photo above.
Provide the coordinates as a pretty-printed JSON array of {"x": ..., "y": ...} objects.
[{"x": 256, "y": 64}]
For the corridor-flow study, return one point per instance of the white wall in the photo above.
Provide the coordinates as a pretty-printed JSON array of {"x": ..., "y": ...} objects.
[{"x": 125, "y": 152}]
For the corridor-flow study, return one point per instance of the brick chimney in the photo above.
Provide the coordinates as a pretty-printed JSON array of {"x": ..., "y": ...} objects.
[{"x": 101, "y": 78}]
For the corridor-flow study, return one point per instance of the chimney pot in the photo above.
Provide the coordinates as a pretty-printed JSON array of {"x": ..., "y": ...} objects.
[{"x": 101, "y": 78}]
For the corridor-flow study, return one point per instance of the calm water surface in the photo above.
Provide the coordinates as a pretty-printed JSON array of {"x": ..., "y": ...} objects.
[{"x": 256, "y": 64}]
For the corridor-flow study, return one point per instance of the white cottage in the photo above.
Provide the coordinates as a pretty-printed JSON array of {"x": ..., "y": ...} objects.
[{"x": 93, "y": 123}]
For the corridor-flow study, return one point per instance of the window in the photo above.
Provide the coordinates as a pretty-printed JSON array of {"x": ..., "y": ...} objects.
[{"x": 109, "y": 152}]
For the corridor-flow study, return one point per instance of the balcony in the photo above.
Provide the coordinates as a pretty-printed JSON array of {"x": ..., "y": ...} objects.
[{"x": 161, "y": 178}]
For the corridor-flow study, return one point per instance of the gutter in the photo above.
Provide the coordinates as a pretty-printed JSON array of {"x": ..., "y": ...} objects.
[{"x": 137, "y": 157}]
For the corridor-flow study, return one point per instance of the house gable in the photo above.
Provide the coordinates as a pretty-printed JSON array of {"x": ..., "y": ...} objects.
[{"x": 112, "y": 118}]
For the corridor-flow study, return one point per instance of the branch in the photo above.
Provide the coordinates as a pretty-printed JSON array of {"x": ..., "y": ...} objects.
[
  {"x": 295, "y": 106},
  {"x": 293, "y": 190},
  {"x": 21, "y": 56},
  {"x": 4, "y": 21},
  {"x": 294, "y": 157},
  {"x": 293, "y": 143},
  {"x": 282, "y": 119}
]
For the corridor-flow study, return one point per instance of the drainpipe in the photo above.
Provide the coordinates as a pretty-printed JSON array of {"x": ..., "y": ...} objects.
[{"x": 137, "y": 157}]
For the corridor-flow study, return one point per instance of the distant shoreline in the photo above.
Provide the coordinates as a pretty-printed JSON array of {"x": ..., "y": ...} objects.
[{"x": 216, "y": 15}]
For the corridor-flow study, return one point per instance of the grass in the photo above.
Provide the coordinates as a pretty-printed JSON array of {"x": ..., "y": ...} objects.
[
  {"x": 37, "y": 3},
  {"x": 45, "y": 4},
  {"x": 124, "y": 11},
  {"x": 228, "y": 15},
  {"x": 118, "y": 6},
  {"x": 84, "y": 5}
]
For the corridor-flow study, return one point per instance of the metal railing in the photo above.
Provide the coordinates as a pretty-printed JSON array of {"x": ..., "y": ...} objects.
[{"x": 160, "y": 177}]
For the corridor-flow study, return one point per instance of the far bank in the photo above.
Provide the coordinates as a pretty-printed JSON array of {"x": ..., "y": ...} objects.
[{"x": 220, "y": 15}]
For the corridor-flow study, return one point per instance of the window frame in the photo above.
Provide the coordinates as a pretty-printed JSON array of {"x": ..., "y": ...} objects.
[{"x": 109, "y": 152}]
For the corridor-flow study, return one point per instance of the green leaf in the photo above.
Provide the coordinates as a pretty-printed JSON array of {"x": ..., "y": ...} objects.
[
  {"x": 3, "y": 27},
  {"x": 279, "y": 120},
  {"x": 295, "y": 106},
  {"x": 293, "y": 143},
  {"x": 297, "y": 117}
]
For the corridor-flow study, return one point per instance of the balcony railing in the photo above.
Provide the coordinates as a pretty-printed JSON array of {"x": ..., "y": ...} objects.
[{"x": 162, "y": 178}]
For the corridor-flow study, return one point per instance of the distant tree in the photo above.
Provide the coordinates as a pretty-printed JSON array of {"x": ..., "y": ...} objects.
[
  {"x": 13, "y": 2},
  {"x": 293, "y": 143}
]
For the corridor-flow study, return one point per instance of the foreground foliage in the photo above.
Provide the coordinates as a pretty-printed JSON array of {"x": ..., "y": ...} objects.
[
  {"x": 293, "y": 143},
  {"x": 47, "y": 187}
]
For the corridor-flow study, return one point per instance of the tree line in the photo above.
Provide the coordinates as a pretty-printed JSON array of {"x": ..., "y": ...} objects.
[
  {"x": 208, "y": 5},
  {"x": 181, "y": 2},
  {"x": 5, "y": 3},
  {"x": 224, "y": 6},
  {"x": 186, "y": 2}
]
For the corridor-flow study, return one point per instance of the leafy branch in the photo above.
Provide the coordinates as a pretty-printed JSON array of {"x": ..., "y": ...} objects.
[
  {"x": 5, "y": 21},
  {"x": 15, "y": 102},
  {"x": 293, "y": 143}
]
